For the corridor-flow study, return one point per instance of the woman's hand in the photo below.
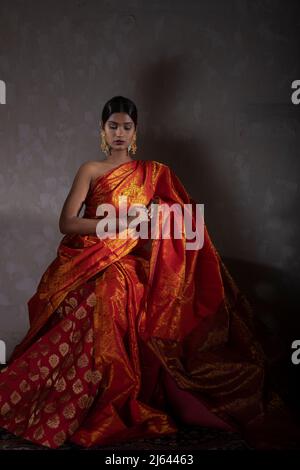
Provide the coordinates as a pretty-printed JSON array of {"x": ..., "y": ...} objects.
[
  {"x": 145, "y": 212},
  {"x": 150, "y": 206}
]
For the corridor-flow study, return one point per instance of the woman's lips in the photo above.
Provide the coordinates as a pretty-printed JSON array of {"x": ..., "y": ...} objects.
[{"x": 119, "y": 141}]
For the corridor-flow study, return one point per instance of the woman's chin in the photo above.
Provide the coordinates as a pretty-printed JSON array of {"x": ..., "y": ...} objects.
[{"x": 119, "y": 147}]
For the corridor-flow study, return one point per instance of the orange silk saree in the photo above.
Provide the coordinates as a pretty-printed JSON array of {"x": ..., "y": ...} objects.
[{"x": 124, "y": 339}]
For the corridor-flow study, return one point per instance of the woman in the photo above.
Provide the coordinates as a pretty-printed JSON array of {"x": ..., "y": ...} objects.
[{"x": 127, "y": 335}]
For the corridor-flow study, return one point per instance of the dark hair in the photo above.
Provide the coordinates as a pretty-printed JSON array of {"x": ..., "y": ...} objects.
[{"x": 119, "y": 104}]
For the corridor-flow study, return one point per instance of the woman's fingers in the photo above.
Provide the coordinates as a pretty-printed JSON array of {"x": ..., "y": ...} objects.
[{"x": 147, "y": 210}]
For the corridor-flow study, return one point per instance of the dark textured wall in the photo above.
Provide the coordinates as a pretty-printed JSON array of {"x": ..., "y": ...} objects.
[{"x": 212, "y": 82}]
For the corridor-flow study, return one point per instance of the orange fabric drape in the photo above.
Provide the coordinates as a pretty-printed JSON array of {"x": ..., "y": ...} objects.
[{"x": 118, "y": 332}]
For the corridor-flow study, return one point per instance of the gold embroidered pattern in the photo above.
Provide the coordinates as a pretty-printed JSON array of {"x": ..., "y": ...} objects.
[
  {"x": 33, "y": 377},
  {"x": 63, "y": 349},
  {"x": 80, "y": 313},
  {"x": 64, "y": 398},
  {"x": 89, "y": 336},
  {"x": 88, "y": 376},
  {"x": 24, "y": 386},
  {"x": 71, "y": 373},
  {"x": 82, "y": 361},
  {"x": 73, "y": 302},
  {"x": 96, "y": 377},
  {"x": 84, "y": 401},
  {"x": 39, "y": 433},
  {"x": 69, "y": 411},
  {"x": 44, "y": 349},
  {"x": 44, "y": 372},
  {"x": 67, "y": 325},
  {"x": 20, "y": 417},
  {"x": 91, "y": 300},
  {"x": 50, "y": 408},
  {"x": 60, "y": 385},
  {"x": 59, "y": 438},
  {"x": 76, "y": 337},
  {"x": 5, "y": 409},
  {"x": 53, "y": 422},
  {"x": 15, "y": 397},
  {"x": 73, "y": 426},
  {"x": 53, "y": 360},
  {"x": 55, "y": 337},
  {"x": 77, "y": 386}
]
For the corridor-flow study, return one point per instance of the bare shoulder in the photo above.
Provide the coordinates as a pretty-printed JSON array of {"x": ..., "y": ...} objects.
[
  {"x": 88, "y": 167},
  {"x": 89, "y": 170},
  {"x": 95, "y": 168}
]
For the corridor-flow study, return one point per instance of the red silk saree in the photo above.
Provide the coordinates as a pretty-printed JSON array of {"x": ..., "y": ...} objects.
[{"x": 123, "y": 338}]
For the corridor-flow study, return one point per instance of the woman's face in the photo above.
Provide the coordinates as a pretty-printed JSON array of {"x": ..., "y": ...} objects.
[{"x": 119, "y": 126}]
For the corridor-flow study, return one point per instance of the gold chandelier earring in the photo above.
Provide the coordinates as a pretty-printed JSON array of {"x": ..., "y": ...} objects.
[
  {"x": 132, "y": 147},
  {"x": 104, "y": 145}
]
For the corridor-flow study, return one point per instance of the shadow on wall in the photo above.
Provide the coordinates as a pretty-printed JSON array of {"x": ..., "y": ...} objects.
[{"x": 273, "y": 298}]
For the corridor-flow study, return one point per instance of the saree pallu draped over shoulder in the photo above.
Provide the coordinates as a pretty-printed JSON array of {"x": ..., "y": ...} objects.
[{"x": 121, "y": 338}]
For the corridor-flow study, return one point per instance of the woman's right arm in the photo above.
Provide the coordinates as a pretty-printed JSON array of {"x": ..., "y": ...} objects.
[{"x": 69, "y": 222}]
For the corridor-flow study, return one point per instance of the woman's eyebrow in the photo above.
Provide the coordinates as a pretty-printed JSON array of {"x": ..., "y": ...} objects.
[{"x": 114, "y": 122}]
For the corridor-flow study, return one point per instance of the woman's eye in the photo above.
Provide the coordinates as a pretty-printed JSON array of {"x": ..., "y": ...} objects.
[{"x": 115, "y": 127}]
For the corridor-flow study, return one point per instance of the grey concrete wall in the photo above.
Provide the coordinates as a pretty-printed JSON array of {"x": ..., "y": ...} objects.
[{"x": 212, "y": 82}]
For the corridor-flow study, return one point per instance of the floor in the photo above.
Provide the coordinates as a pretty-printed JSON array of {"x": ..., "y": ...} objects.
[{"x": 187, "y": 438}]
